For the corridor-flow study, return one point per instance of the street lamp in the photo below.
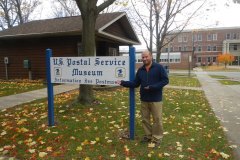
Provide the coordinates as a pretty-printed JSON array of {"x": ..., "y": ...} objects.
[
  {"x": 168, "y": 58},
  {"x": 190, "y": 56}
]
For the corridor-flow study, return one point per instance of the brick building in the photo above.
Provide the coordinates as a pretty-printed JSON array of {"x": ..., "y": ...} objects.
[
  {"x": 202, "y": 46},
  {"x": 197, "y": 47},
  {"x": 23, "y": 47}
]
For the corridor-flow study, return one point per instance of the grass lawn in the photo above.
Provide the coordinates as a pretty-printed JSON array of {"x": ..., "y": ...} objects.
[
  {"x": 229, "y": 82},
  {"x": 92, "y": 132},
  {"x": 15, "y": 87},
  {"x": 219, "y": 68},
  {"x": 225, "y": 80},
  {"x": 183, "y": 80},
  {"x": 219, "y": 77}
]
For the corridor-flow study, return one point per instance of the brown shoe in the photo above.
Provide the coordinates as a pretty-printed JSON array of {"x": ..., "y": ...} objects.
[
  {"x": 145, "y": 139},
  {"x": 156, "y": 143}
]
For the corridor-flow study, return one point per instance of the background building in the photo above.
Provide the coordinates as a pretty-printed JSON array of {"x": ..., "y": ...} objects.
[
  {"x": 202, "y": 46},
  {"x": 196, "y": 47}
]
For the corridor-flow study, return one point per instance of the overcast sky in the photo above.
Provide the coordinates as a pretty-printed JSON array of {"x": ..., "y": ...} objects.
[
  {"x": 224, "y": 13},
  {"x": 217, "y": 13}
]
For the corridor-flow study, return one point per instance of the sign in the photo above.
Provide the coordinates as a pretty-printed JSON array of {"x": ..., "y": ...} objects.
[
  {"x": 89, "y": 70},
  {"x": 190, "y": 58},
  {"x": 6, "y": 60}
]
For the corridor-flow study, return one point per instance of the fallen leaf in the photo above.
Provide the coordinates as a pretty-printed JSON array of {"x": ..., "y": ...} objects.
[{"x": 42, "y": 154}]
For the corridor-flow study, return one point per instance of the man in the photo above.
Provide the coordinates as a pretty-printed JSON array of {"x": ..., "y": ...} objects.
[{"x": 152, "y": 77}]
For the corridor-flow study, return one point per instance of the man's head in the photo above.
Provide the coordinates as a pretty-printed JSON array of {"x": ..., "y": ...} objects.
[{"x": 147, "y": 58}]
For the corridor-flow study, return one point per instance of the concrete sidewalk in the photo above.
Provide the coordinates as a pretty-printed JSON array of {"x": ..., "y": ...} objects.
[
  {"x": 13, "y": 100},
  {"x": 225, "y": 102}
]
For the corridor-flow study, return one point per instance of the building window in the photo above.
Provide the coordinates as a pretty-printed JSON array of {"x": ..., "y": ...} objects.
[
  {"x": 234, "y": 36},
  {"x": 228, "y": 36},
  {"x": 185, "y": 39},
  {"x": 194, "y": 38},
  {"x": 185, "y": 48},
  {"x": 166, "y": 49},
  {"x": 209, "y": 37},
  {"x": 172, "y": 57},
  {"x": 214, "y": 37},
  {"x": 199, "y": 48},
  {"x": 199, "y": 59},
  {"x": 214, "y": 59},
  {"x": 235, "y": 47},
  {"x": 193, "y": 48},
  {"x": 208, "y": 48},
  {"x": 112, "y": 51},
  {"x": 179, "y": 48},
  {"x": 208, "y": 59},
  {"x": 199, "y": 37},
  {"x": 214, "y": 48},
  {"x": 179, "y": 38}
]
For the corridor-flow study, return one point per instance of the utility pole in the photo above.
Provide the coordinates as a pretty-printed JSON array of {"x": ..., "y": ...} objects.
[
  {"x": 168, "y": 58},
  {"x": 191, "y": 55},
  {"x": 189, "y": 64}
]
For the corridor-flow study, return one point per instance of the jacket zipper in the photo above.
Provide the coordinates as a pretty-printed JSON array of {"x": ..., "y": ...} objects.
[{"x": 147, "y": 77}]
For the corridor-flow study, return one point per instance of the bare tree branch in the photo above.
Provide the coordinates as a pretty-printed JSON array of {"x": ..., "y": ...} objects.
[
  {"x": 165, "y": 14},
  {"x": 64, "y": 8},
  {"x": 104, "y": 5},
  {"x": 13, "y": 12}
]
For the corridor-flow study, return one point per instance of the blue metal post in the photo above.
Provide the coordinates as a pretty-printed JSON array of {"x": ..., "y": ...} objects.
[
  {"x": 132, "y": 92},
  {"x": 49, "y": 89}
]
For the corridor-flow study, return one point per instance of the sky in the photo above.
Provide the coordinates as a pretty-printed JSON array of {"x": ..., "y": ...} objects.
[
  {"x": 216, "y": 13},
  {"x": 222, "y": 13}
]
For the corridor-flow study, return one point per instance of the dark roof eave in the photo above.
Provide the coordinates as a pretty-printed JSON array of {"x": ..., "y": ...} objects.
[
  {"x": 36, "y": 35},
  {"x": 122, "y": 40},
  {"x": 101, "y": 30},
  {"x": 47, "y": 34}
]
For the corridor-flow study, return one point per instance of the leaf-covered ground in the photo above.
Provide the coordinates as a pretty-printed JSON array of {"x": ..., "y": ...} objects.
[
  {"x": 229, "y": 82},
  {"x": 226, "y": 80},
  {"x": 92, "y": 132},
  {"x": 183, "y": 80},
  {"x": 14, "y": 87}
]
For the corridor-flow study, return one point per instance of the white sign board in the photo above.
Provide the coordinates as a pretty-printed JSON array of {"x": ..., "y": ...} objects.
[{"x": 89, "y": 70}]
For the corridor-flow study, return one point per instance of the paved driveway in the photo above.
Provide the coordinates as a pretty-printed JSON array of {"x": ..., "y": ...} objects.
[{"x": 225, "y": 102}]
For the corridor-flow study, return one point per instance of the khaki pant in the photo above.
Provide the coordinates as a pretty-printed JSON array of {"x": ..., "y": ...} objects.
[{"x": 152, "y": 130}]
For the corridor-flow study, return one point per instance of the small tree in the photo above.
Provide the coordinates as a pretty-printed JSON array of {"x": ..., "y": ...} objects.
[{"x": 225, "y": 58}]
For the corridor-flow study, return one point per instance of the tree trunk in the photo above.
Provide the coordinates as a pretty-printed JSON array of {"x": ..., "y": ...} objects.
[
  {"x": 89, "y": 49},
  {"x": 19, "y": 12}
]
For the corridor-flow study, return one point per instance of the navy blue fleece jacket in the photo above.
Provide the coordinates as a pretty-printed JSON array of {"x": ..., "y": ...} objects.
[{"x": 156, "y": 78}]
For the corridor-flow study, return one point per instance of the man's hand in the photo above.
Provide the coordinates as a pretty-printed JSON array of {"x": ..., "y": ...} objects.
[{"x": 119, "y": 82}]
